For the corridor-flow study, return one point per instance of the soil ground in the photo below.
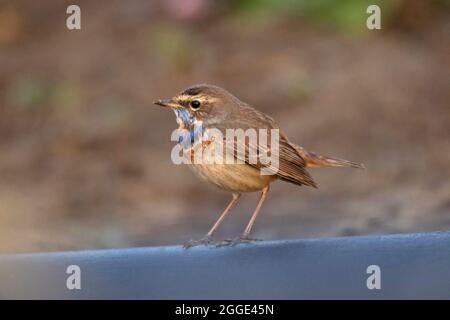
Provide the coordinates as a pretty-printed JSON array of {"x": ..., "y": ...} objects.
[{"x": 85, "y": 157}]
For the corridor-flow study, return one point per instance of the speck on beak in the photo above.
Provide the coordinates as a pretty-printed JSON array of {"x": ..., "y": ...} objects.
[
  {"x": 167, "y": 103},
  {"x": 164, "y": 102}
]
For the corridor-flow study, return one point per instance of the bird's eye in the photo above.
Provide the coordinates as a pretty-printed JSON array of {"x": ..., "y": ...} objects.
[{"x": 195, "y": 104}]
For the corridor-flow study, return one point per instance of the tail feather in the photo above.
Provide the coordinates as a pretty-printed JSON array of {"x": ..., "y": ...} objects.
[{"x": 313, "y": 160}]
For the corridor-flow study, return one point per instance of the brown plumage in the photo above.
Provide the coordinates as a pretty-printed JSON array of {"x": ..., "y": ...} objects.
[{"x": 214, "y": 107}]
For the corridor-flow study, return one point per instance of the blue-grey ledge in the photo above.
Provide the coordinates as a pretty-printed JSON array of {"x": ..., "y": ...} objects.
[{"x": 406, "y": 266}]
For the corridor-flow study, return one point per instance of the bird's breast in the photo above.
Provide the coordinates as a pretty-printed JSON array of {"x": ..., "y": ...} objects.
[
  {"x": 201, "y": 152},
  {"x": 236, "y": 177}
]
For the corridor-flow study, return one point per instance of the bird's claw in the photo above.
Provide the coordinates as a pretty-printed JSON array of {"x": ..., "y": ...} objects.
[
  {"x": 192, "y": 243},
  {"x": 235, "y": 241}
]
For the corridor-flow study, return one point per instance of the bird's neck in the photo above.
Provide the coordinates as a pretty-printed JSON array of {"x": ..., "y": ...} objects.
[
  {"x": 184, "y": 118},
  {"x": 190, "y": 129}
]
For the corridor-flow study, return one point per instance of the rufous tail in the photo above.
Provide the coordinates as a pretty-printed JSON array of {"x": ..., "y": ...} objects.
[{"x": 313, "y": 160}]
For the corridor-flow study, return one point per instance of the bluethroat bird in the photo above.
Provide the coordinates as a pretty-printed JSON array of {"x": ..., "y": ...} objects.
[{"x": 210, "y": 107}]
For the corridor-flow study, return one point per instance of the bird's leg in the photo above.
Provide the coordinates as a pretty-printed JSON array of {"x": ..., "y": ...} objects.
[
  {"x": 208, "y": 238},
  {"x": 249, "y": 227},
  {"x": 222, "y": 217},
  {"x": 245, "y": 237}
]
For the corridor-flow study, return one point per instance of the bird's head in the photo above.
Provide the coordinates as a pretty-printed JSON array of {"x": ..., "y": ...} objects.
[{"x": 204, "y": 102}]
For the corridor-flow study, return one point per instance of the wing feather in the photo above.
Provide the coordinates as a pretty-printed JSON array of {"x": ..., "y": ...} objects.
[{"x": 291, "y": 166}]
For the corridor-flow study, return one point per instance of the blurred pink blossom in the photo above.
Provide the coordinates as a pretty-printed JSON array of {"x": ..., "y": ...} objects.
[{"x": 187, "y": 9}]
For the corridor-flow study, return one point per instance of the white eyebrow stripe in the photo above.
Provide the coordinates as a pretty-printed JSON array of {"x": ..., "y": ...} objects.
[{"x": 185, "y": 97}]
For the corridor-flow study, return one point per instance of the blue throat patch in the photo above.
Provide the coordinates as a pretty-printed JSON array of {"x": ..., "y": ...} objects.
[
  {"x": 185, "y": 116},
  {"x": 187, "y": 138}
]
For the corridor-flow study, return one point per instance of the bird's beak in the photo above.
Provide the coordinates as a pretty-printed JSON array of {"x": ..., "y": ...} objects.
[{"x": 168, "y": 103}]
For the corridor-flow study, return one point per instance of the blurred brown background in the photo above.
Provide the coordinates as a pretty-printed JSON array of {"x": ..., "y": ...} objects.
[{"x": 85, "y": 157}]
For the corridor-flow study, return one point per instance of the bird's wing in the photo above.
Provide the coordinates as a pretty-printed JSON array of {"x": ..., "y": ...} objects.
[{"x": 290, "y": 167}]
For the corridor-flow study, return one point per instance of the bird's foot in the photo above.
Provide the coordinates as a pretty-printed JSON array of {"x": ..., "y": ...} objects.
[
  {"x": 235, "y": 241},
  {"x": 203, "y": 241}
]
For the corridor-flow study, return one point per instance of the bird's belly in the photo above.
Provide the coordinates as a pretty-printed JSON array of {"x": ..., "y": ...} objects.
[
  {"x": 233, "y": 177},
  {"x": 237, "y": 177}
]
